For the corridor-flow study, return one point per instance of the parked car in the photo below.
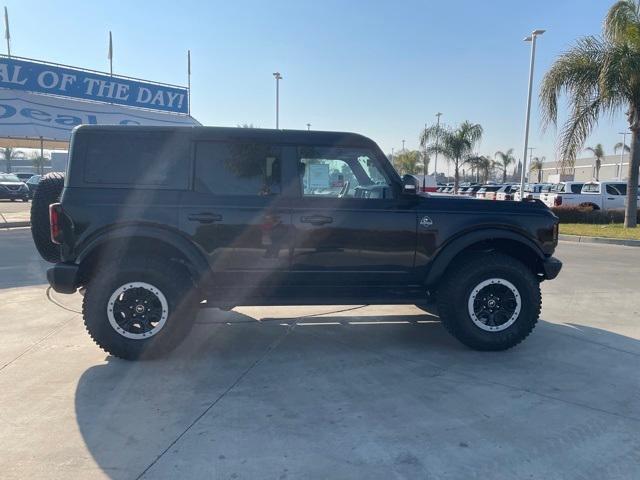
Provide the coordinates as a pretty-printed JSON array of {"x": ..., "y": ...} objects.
[
  {"x": 597, "y": 195},
  {"x": 470, "y": 191},
  {"x": 488, "y": 192},
  {"x": 32, "y": 184},
  {"x": 155, "y": 222},
  {"x": 532, "y": 191},
  {"x": 12, "y": 188},
  {"x": 24, "y": 176},
  {"x": 549, "y": 195},
  {"x": 506, "y": 192}
]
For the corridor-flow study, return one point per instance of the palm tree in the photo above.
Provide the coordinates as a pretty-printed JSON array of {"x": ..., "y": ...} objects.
[
  {"x": 10, "y": 154},
  {"x": 455, "y": 145},
  {"x": 600, "y": 75},
  {"x": 621, "y": 146},
  {"x": 536, "y": 166},
  {"x": 504, "y": 160},
  {"x": 407, "y": 162},
  {"x": 598, "y": 152}
]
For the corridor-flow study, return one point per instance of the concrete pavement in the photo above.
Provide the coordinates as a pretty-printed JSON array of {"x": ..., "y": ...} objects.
[
  {"x": 14, "y": 213},
  {"x": 326, "y": 392}
]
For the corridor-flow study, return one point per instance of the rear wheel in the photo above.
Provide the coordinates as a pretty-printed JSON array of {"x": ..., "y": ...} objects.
[
  {"x": 139, "y": 308},
  {"x": 490, "y": 302},
  {"x": 48, "y": 192}
]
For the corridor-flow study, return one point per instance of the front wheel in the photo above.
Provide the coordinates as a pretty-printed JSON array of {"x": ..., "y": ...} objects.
[
  {"x": 490, "y": 302},
  {"x": 139, "y": 308}
]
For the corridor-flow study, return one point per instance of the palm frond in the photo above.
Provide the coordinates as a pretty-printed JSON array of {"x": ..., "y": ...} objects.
[
  {"x": 620, "y": 146},
  {"x": 576, "y": 73},
  {"x": 622, "y": 23}
]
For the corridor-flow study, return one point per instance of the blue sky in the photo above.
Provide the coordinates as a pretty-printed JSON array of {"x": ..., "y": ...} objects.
[{"x": 381, "y": 68}]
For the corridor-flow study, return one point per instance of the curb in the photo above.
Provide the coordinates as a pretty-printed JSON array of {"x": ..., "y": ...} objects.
[
  {"x": 7, "y": 225},
  {"x": 604, "y": 240}
]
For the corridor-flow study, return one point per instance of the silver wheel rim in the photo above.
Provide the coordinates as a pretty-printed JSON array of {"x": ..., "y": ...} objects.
[
  {"x": 119, "y": 320},
  {"x": 491, "y": 312}
]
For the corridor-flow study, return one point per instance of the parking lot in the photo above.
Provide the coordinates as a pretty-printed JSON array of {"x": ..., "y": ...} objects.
[
  {"x": 360, "y": 392},
  {"x": 14, "y": 211}
]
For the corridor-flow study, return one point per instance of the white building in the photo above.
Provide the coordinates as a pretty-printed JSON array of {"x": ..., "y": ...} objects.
[{"x": 585, "y": 168}]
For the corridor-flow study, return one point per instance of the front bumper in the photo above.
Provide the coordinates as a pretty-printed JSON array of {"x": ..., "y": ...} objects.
[
  {"x": 63, "y": 277},
  {"x": 552, "y": 267},
  {"x": 9, "y": 194}
]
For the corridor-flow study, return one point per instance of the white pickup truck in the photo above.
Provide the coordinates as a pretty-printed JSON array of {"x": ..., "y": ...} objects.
[
  {"x": 560, "y": 190},
  {"x": 599, "y": 195}
]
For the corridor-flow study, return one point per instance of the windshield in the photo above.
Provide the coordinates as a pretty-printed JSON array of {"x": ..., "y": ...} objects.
[{"x": 8, "y": 177}]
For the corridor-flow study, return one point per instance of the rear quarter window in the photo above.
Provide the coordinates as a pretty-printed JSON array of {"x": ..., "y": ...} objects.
[{"x": 159, "y": 160}]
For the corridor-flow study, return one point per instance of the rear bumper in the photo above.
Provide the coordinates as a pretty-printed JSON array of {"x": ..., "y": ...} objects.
[
  {"x": 552, "y": 267},
  {"x": 63, "y": 277}
]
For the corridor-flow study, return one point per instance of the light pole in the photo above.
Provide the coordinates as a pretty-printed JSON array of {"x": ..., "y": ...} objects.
[
  {"x": 278, "y": 77},
  {"x": 424, "y": 165},
  {"x": 402, "y": 145},
  {"x": 624, "y": 144},
  {"x": 435, "y": 160},
  {"x": 308, "y": 127},
  {"x": 532, "y": 39}
]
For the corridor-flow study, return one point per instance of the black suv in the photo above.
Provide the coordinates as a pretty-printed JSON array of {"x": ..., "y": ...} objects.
[{"x": 154, "y": 222}]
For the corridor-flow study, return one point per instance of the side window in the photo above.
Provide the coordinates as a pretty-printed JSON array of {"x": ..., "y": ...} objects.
[
  {"x": 334, "y": 172},
  {"x": 591, "y": 188},
  {"x": 616, "y": 189},
  {"x": 576, "y": 188},
  {"x": 238, "y": 168},
  {"x": 136, "y": 158}
]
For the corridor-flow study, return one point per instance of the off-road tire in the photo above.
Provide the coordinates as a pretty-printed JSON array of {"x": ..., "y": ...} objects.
[
  {"x": 48, "y": 192},
  {"x": 169, "y": 278},
  {"x": 458, "y": 285}
]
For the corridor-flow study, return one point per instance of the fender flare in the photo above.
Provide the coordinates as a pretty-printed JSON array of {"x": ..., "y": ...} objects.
[
  {"x": 197, "y": 261},
  {"x": 451, "y": 249}
]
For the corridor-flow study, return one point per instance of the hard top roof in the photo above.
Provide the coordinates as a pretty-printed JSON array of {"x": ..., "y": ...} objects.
[{"x": 298, "y": 137}]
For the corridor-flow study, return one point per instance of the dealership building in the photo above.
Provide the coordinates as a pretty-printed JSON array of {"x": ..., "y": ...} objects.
[
  {"x": 41, "y": 103},
  {"x": 612, "y": 167}
]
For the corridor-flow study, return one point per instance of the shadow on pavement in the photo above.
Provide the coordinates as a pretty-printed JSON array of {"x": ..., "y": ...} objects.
[{"x": 342, "y": 397}]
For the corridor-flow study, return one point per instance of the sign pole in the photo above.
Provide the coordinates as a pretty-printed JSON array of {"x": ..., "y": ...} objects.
[
  {"x": 41, "y": 162},
  {"x": 189, "y": 82},
  {"x": 7, "y": 35},
  {"x": 110, "y": 56}
]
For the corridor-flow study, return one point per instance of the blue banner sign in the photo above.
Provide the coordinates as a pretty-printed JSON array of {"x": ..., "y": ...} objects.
[{"x": 18, "y": 74}]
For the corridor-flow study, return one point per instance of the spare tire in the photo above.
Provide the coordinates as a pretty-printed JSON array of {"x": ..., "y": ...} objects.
[{"x": 48, "y": 192}]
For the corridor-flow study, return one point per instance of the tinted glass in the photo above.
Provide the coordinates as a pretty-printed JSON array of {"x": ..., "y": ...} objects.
[
  {"x": 237, "y": 168},
  {"x": 576, "y": 188},
  {"x": 618, "y": 189},
  {"x": 591, "y": 188},
  {"x": 140, "y": 159}
]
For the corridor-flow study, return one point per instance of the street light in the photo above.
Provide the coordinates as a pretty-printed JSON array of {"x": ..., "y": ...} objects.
[
  {"x": 403, "y": 145},
  {"x": 435, "y": 160},
  {"x": 308, "y": 127},
  {"x": 624, "y": 144},
  {"x": 278, "y": 77},
  {"x": 532, "y": 38}
]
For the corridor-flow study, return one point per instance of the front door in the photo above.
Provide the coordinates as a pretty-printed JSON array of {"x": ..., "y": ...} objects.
[
  {"x": 350, "y": 229},
  {"x": 235, "y": 213}
]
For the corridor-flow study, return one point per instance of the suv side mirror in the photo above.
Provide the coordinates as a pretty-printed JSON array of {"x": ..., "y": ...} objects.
[{"x": 409, "y": 185}]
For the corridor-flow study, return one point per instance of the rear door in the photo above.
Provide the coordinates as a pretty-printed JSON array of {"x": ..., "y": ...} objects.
[
  {"x": 350, "y": 229},
  {"x": 614, "y": 196},
  {"x": 236, "y": 212}
]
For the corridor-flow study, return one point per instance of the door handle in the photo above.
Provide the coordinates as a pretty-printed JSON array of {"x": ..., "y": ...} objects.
[
  {"x": 316, "y": 219},
  {"x": 610, "y": 198},
  {"x": 205, "y": 217}
]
